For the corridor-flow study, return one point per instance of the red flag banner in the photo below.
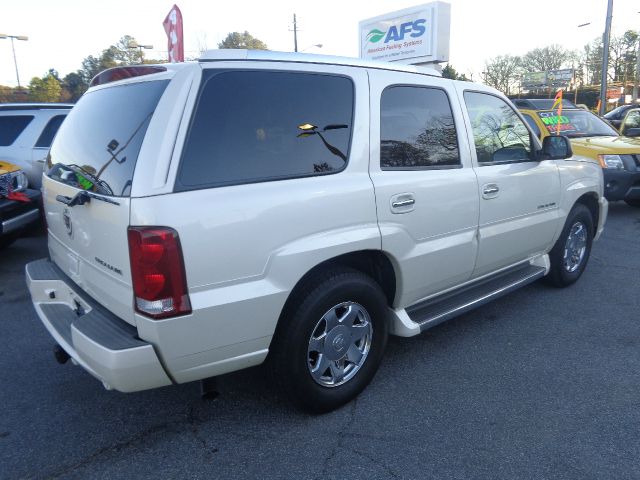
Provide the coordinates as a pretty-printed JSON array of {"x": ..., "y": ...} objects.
[{"x": 173, "y": 27}]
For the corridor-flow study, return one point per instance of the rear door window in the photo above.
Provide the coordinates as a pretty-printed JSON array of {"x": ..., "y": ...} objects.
[
  {"x": 46, "y": 137},
  {"x": 97, "y": 146},
  {"x": 256, "y": 126},
  {"x": 11, "y": 126},
  {"x": 417, "y": 129}
]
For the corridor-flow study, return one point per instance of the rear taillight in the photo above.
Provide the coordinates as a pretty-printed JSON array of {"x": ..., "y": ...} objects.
[{"x": 157, "y": 271}]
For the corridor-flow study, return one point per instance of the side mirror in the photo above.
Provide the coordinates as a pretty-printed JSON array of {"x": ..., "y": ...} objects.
[
  {"x": 631, "y": 132},
  {"x": 556, "y": 147}
]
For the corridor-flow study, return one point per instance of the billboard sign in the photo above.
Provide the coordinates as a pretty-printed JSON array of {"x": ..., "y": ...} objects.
[
  {"x": 550, "y": 78},
  {"x": 414, "y": 35}
]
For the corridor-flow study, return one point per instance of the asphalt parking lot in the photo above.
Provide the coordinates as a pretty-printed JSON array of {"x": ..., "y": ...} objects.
[{"x": 543, "y": 383}]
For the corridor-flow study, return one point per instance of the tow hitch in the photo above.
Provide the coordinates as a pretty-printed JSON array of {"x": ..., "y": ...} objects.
[{"x": 60, "y": 354}]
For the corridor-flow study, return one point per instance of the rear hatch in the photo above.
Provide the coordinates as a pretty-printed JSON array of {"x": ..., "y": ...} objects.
[{"x": 87, "y": 187}]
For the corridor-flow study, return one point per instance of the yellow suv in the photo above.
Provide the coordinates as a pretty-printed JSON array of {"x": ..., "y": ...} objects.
[{"x": 594, "y": 138}]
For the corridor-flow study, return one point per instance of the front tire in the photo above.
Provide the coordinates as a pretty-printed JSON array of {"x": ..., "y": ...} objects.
[
  {"x": 330, "y": 340},
  {"x": 633, "y": 203},
  {"x": 570, "y": 254}
]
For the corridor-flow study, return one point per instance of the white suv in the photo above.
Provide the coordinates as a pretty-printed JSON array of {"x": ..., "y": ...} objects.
[
  {"x": 26, "y": 133},
  {"x": 206, "y": 216}
]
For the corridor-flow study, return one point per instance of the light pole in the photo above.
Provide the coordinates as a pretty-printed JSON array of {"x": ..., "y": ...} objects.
[
  {"x": 140, "y": 47},
  {"x": 605, "y": 58},
  {"x": 15, "y": 62}
]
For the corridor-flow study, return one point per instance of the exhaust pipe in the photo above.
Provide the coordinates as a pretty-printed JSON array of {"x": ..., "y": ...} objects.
[{"x": 60, "y": 355}]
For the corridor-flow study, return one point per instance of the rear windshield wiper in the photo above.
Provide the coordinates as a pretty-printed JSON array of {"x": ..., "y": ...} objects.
[{"x": 81, "y": 198}]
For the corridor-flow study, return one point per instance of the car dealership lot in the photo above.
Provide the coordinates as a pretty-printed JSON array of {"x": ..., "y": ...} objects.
[{"x": 542, "y": 383}]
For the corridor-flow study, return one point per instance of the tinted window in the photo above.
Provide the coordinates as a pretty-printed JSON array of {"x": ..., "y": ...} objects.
[
  {"x": 97, "y": 145},
  {"x": 417, "y": 129},
  {"x": 11, "y": 126},
  {"x": 499, "y": 134},
  {"x": 253, "y": 126},
  {"x": 532, "y": 123},
  {"x": 46, "y": 137}
]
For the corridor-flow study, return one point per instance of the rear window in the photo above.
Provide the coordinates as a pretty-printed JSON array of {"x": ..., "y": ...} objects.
[
  {"x": 98, "y": 144},
  {"x": 256, "y": 126},
  {"x": 11, "y": 126}
]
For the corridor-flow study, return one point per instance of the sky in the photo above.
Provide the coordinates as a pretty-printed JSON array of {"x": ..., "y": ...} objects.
[{"x": 63, "y": 32}]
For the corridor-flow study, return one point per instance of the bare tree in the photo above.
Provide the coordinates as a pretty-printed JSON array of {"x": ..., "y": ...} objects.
[
  {"x": 552, "y": 57},
  {"x": 502, "y": 72}
]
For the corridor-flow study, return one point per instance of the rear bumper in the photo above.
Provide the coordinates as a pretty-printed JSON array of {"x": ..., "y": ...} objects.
[
  {"x": 621, "y": 184},
  {"x": 103, "y": 344},
  {"x": 16, "y": 215}
]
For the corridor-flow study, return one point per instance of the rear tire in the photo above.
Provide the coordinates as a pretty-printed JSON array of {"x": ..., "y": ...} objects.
[
  {"x": 570, "y": 254},
  {"x": 330, "y": 340},
  {"x": 633, "y": 203}
]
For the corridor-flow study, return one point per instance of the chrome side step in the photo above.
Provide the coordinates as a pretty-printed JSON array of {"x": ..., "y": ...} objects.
[{"x": 434, "y": 311}]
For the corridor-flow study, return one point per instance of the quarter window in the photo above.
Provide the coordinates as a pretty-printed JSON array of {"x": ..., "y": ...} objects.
[
  {"x": 254, "y": 126},
  {"x": 11, "y": 126},
  {"x": 532, "y": 123},
  {"x": 46, "y": 137},
  {"x": 499, "y": 134},
  {"x": 417, "y": 129}
]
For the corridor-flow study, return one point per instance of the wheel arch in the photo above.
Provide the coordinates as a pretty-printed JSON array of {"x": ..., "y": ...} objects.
[
  {"x": 373, "y": 263},
  {"x": 590, "y": 200}
]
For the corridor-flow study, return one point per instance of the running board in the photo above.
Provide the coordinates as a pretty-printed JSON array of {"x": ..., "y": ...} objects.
[{"x": 444, "y": 307}]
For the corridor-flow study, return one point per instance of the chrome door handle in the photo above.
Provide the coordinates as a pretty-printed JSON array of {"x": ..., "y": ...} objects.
[
  {"x": 489, "y": 189},
  {"x": 403, "y": 203}
]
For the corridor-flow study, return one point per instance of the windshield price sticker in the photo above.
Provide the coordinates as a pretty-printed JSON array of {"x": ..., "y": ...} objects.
[{"x": 552, "y": 121}]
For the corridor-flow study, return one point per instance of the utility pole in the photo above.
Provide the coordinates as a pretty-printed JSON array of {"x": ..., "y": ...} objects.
[
  {"x": 605, "y": 58},
  {"x": 295, "y": 34},
  {"x": 635, "y": 80}
]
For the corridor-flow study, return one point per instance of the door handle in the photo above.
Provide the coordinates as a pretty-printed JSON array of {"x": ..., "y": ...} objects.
[
  {"x": 403, "y": 203},
  {"x": 489, "y": 189}
]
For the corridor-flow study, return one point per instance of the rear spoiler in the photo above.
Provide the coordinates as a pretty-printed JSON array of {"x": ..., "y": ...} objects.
[{"x": 121, "y": 73}]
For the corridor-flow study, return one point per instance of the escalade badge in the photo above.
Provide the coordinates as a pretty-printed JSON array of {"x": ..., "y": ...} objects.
[{"x": 67, "y": 221}]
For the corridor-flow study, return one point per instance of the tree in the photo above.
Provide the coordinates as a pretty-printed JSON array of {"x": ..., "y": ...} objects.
[
  {"x": 449, "y": 72},
  {"x": 622, "y": 56},
  {"x": 543, "y": 59},
  {"x": 45, "y": 89},
  {"x": 242, "y": 41},
  {"x": 502, "y": 72},
  {"x": 73, "y": 86}
]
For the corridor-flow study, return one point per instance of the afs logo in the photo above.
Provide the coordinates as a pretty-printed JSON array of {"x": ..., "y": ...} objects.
[{"x": 415, "y": 29}]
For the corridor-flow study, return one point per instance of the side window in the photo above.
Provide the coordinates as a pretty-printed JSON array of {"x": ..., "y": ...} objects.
[
  {"x": 11, "y": 126},
  {"x": 256, "y": 126},
  {"x": 532, "y": 123},
  {"x": 417, "y": 129},
  {"x": 46, "y": 137},
  {"x": 499, "y": 134},
  {"x": 632, "y": 119}
]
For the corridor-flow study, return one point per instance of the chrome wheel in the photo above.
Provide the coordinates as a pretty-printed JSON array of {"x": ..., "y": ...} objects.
[
  {"x": 339, "y": 344},
  {"x": 575, "y": 247}
]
